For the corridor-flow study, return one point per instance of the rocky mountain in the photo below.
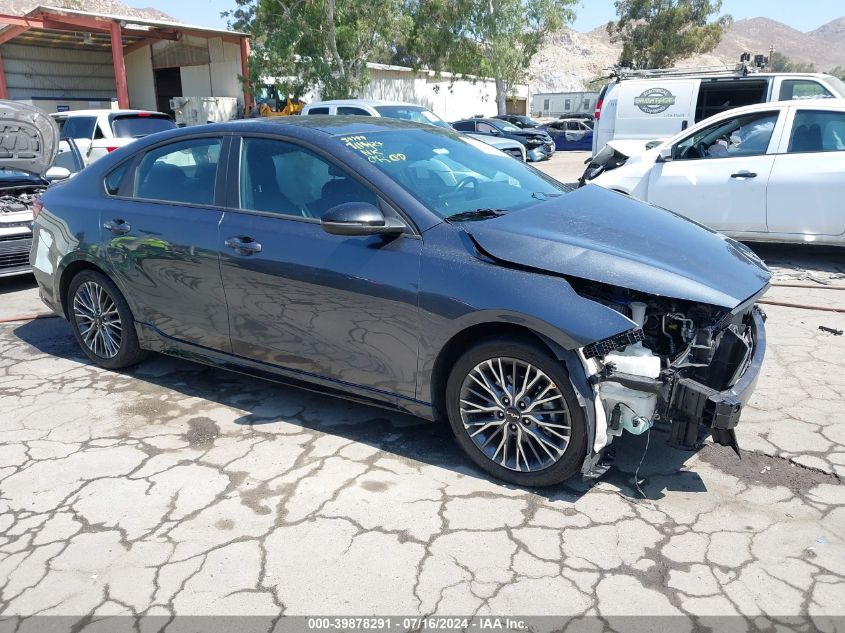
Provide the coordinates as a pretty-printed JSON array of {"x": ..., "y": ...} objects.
[
  {"x": 20, "y": 7},
  {"x": 570, "y": 59}
]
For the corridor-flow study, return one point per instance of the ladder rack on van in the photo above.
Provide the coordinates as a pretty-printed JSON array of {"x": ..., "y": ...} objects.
[{"x": 621, "y": 72}]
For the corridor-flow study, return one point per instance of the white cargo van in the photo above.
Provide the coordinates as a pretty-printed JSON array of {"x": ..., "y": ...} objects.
[{"x": 651, "y": 105}]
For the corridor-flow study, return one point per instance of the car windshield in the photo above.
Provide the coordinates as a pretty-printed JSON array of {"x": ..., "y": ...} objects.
[
  {"x": 527, "y": 121},
  {"x": 138, "y": 125},
  {"x": 504, "y": 126},
  {"x": 411, "y": 113},
  {"x": 453, "y": 174}
]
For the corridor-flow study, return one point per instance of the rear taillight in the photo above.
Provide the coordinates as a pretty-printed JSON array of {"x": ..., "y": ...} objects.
[
  {"x": 597, "y": 113},
  {"x": 111, "y": 149},
  {"x": 37, "y": 205}
]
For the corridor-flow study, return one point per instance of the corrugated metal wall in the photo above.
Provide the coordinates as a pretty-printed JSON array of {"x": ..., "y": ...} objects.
[{"x": 33, "y": 71}]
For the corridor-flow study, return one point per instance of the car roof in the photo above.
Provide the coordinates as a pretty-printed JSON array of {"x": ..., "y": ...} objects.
[
  {"x": 99, "y": 111},
  {"x": 811, "y": 103},
  {"x": 364, "y": 102},
  {"x": 481, "y": 118},
  {"x": 327, "y": 124}
]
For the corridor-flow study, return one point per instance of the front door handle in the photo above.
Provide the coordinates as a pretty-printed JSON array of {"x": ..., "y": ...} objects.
[
  {"x": 744, "y": 174},
  {"x": 243, "y": 245},
  {"x": 117, "y": 226}
]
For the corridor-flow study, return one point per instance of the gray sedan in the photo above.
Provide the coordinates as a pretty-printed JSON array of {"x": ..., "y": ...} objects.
[{"x": 412, "y": 268}]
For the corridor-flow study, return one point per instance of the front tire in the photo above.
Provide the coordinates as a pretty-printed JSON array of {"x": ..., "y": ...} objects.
[
  {"x": 513, "y": 410},
  {"x": 102, "y": 322}
]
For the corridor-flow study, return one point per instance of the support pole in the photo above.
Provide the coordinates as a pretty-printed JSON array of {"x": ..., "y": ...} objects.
[
  {"x": 119, "y": 65},
  {"x": 4, "y": 88},
  {"x": 245, "y": 74}
]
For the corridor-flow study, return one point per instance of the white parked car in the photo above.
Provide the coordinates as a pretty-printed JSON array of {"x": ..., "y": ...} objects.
[
  {"x": 37, "y": 157},
  {"x": 98, "y": 132},
  {"x": 768, "y": 172},
  {"x": 406, "y": 112}
]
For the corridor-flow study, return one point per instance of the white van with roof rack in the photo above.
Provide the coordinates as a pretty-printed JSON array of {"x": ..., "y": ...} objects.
[{"x": 652, "y": 105}]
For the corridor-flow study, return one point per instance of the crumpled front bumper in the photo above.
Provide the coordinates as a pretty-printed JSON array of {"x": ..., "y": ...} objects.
[{"x": 694, "y": 408}]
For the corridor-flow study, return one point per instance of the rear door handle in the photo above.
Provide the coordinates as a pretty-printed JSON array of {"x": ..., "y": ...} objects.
[
  {"x": 117, "y": 226},
  {"x": 243, "y": 245},
  {"x": 744, "y": 174}
]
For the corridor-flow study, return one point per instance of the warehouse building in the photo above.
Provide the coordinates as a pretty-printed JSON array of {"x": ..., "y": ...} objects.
[
  {"x": 64, "y": 59},
  {"x": 552, "y": 104}
]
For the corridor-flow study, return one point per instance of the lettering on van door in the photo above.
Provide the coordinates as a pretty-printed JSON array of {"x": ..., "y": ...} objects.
[{"x": 655, "y": 100}]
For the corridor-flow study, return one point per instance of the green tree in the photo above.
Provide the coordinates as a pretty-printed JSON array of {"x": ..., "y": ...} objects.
[
  {"x": 780, "y": 63},
  {"x": 657, "y": 33},
  {"x": 839, "y": 71},
  {"x": 324, "y": 44},
  {"x": 489, "y": 38}
]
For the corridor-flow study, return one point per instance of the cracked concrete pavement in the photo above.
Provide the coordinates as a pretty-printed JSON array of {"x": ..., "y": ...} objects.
[{"x": 175, "y": 488}]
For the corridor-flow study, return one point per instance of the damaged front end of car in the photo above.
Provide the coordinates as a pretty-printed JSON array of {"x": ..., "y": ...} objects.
[{"x": 689, "y": 366}]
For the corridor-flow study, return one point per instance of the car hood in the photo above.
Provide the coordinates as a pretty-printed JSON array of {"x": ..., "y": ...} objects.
[
  {"x": 495, "y": 141},
  {"x": 30, "y": 138},
  {"x": 603, "y": 236},
  {"x": 530, "y": 133}
]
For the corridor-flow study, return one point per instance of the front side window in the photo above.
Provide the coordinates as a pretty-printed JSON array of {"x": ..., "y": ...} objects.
[
  {"x": 184, "y": 172},
  {"x": 453, "y": 174},
  {"x": 79, "y": 127},
  {"x": 747, "y": 135},
  {"x": 283, "y": 178},
  {"x": 817, "y": 131},
  {"x": 485, "y": 128},
  {"x": 802, "y": 89}
]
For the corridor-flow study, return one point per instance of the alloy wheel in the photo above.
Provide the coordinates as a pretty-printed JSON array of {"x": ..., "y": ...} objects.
[
  {"x": 98, "y": 319},
  {"x": 515, "y": 414}
]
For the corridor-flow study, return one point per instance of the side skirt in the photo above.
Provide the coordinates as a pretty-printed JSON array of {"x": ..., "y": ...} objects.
[{"x": 155, "y": 341}]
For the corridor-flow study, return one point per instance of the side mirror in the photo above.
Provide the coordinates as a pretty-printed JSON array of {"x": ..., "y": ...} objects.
[
  {"x": 665, "y": 154},
  {"x": 57, "y": 173},
  {"x": 359, "y": 218}
]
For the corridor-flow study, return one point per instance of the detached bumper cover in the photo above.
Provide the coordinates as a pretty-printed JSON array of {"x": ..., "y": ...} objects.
[{"x": 694, "y": 408}]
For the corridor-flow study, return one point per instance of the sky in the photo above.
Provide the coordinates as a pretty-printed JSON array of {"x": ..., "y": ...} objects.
[{"x": 804, "y": 16}]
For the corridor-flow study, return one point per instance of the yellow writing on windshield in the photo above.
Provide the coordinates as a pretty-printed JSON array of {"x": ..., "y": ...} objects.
[{"x": 373, "y": 151}]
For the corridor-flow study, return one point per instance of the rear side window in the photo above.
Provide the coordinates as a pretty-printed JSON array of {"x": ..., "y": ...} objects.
[
  {"x": 817, "y": 131},
  {"x": 318, "y": 111},
  {"x": 115, "y": 179},
  {"x": 721, "y": 95},
  {"x": 464, "y": 126},
  {"x": 79, "y": 127},
  {"x": 802, "y": 89},
  {"x": 138, "y": 125},
  {"x": 348, "y": 110},
  {"x": 180, "y": 172}
]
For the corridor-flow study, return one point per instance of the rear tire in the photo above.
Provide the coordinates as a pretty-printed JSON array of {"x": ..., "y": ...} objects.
[
  {"x": 102, "y": 321},
  {"x": 514, "y": 411}
]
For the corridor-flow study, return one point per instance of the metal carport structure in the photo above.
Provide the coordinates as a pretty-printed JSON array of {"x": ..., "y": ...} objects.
[{"x": 52, "y": 27}]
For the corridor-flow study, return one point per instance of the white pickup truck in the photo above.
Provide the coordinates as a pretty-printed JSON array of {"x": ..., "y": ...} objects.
[{"x": 98, "y": 132}]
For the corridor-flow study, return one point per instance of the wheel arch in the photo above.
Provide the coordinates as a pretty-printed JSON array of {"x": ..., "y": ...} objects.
[
  {"x": 469, "y": 336},
  {"x": 70, "y": 271}
]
